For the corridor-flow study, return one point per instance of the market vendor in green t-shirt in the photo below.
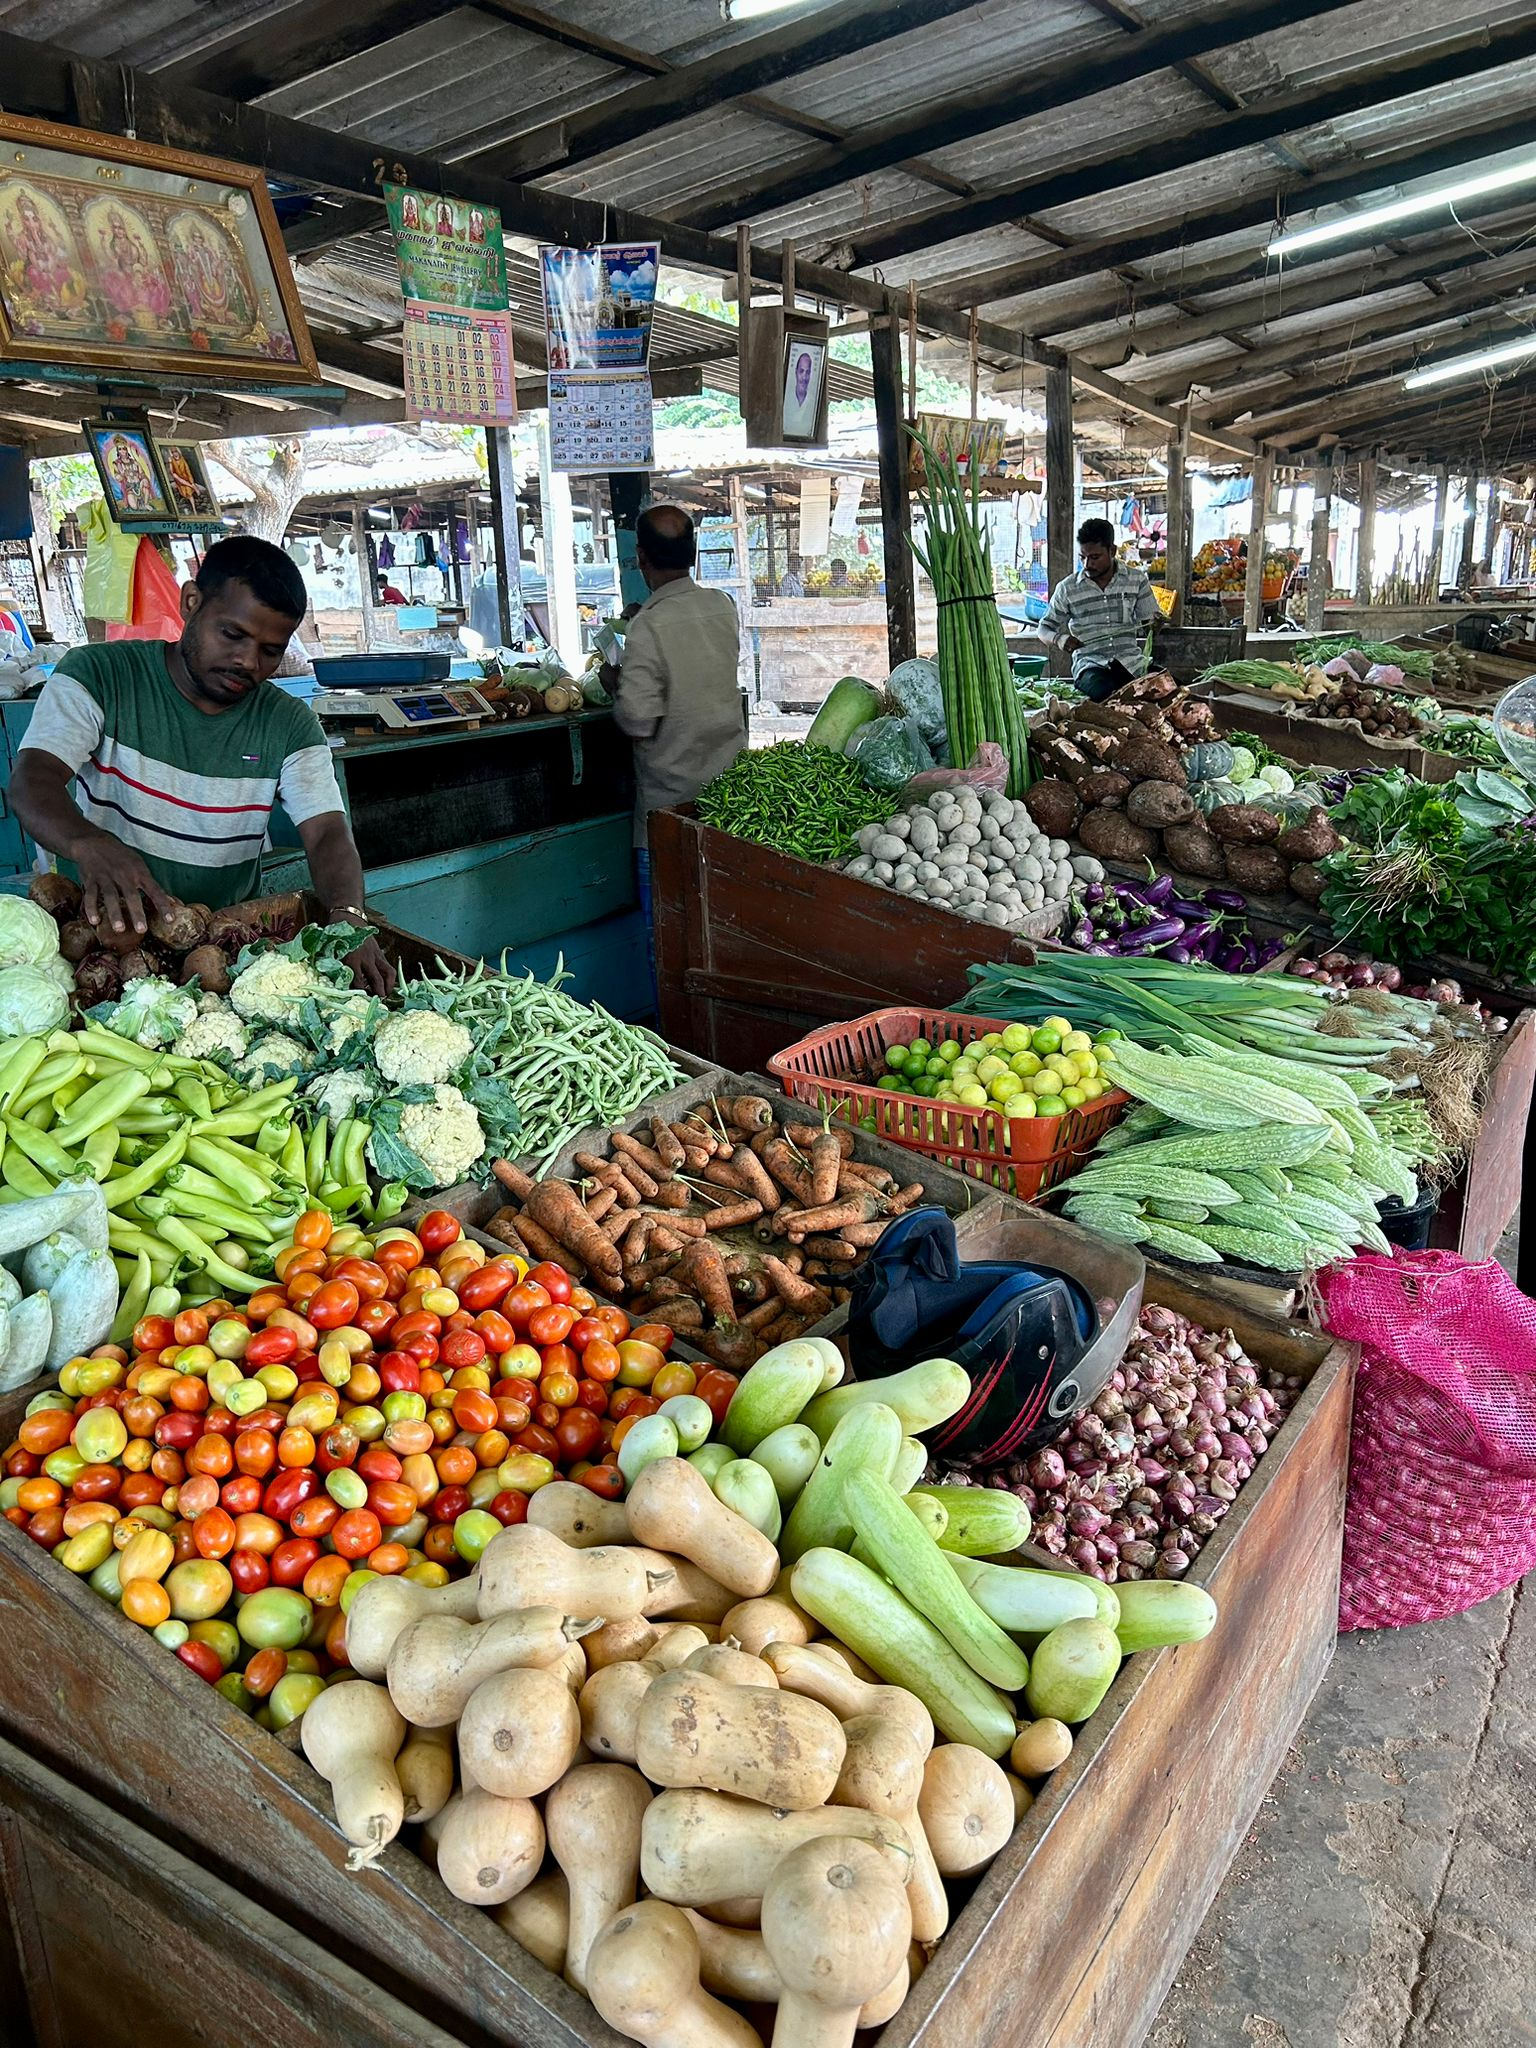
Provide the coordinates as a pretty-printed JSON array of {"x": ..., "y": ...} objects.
[{"x": 177, "y": 754}]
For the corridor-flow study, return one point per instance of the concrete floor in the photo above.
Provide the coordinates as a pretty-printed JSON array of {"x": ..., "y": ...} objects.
[{"x": 1385, "y": 1896}]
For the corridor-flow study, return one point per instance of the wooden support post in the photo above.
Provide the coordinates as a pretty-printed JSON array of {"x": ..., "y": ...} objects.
[
  {"x": 895, "y": 487},
  {"x": 1319, "y": 573},
  {"x": 367, "y": 595},
  {"x": 1060, "y": 476},
  {"x": 1253, "y": 582},
  {"x": 504, "y": 526},
  {"x": 1465, "y": 554},
  {"x": 1178, "y": 516},
  {"x": 1437, "y": 532},
  {"x": 773, "y": 574},
  {"x": 559, "y": 555},
  {"x": 629, "y": 492},
  {"x": 1491, "y": 526},
  {"x": 1365, "y": 540}
]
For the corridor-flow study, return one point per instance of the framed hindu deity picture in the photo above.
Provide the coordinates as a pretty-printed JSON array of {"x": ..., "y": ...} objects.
[
  {"x": 119, "y": 255},
  {"x": 192, "y": 496},
  {"x": 130, "y": 475}
]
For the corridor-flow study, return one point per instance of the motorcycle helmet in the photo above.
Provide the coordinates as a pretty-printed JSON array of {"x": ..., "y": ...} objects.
[{"x": 1027, "y": 1335}]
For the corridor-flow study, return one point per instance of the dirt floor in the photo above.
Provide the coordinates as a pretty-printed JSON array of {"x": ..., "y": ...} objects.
[{"x": 1386, "y": 1894}]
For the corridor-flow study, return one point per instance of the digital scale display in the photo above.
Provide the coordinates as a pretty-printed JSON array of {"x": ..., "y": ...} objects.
[
  {"x": 420, "y": 710},
  {"x": 405, "y": 710}
]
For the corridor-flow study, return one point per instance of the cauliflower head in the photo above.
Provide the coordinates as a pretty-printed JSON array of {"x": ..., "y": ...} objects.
[
  {"x": 272, "y": 987},
  {"x": 339, "y": 1094},
  {"x": 347, "y": 1019},
  {"x": 152, "y": 1011},
  {"x": 213, "y": 1035},
  {"x": 210, "y": 1005},
  {"x": 420, "y": 1047},
  {"x": 444, "y": 1134},
  {"x": 272, "y": 1058}
]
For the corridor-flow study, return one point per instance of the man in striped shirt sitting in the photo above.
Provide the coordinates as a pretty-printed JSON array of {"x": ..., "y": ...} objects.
[
  {"x": 177, "y": 753},
  {"x": 1100, "y": 614}
]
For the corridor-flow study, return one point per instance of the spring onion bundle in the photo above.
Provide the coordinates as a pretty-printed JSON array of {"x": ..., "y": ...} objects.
[{"x": 981, "y": 701}]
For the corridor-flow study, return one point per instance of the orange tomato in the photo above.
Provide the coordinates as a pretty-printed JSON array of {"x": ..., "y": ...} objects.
[
  {"x": 337, "y": 1302},
  {"x": 211, "y": 1454},
  {"x": 438, "y": 1544},
  {"x": 392, "y": 1501},
  {"x": 600, "y": 1360},
  {"x": 325, "y": 1578},
  {"x": 46, "y": 1431},
  {"x": 302, "y": 1289},
  {"x": 456, "y": 1464},
  {"x": 389, "y": 1558},
  {"x": 313, "y": 1230},
  {"x": 296, "y": 1258},
  {"x": 147, "y": 1602},
  {"x": 214, "y": 1533},
  {"x": 296, "y": 1447},
  {"x": 356, "y": 1533},
  {"x": 191, "y": 1326},
  {"x": 316, "y": 1516},
  {"x": 264, "y": 1670},
  {"x": 474, "y": 1410},
  {"x": 262, "y": 1303},
  {"x": 366, "y": 1275},
  {"x": 37, "y": 1494},
  {"x": 257, "y": 1532},
  {"x": 492, "y": 1447},
  {"x": 659, "y": 1334}
]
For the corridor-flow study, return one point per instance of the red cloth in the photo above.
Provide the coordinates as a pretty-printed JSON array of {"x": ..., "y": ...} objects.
[{"x": 156, "y": 599}]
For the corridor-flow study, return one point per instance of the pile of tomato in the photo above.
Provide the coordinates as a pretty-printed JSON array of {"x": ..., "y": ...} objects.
[{"x": 384, "y": 1405}]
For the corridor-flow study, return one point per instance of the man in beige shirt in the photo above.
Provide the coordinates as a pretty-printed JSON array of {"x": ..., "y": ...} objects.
[{"x": 676, "y": 694}]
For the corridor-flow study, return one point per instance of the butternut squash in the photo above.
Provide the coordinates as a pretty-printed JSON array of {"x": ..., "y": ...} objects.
[
  {"x": 609, "y": 1707},
  {"x": 618, "y": 1642},
  {"x": 728, "y": 1661},
  {"x": 577, "y": 1516},
  {"x": 772, "y": 1746},
  {"x": 425, "y": 1770},
  {"x": 592, "y": 1818},
  {"x": 519, "y": 1732},
  {"x": 1023, "y": 1798},
  {"x": 699, "y": 1847},
  {"x": 966, "y": 1808},
  {"x": 675, "y": 1644},
  {"x": 386, "y": 1606},
  {"x": 571, "y": 1666},
  {"x": 828, "y": 1679},
  {"x": 692, "y": 1595},
  {"x": 734, "y": 1963},
  {"x": 489, "y": 1849},
  {"x": 643, "y": 1977},
  {"x": 883, "y": 1773},
  {"x": 538, "y": 1919},
  {"x": 352, "y": 1734},
  {"x": 837, "y": 1926},
  {"x": 824, "y": 1646},
  {"x": 526, "y": 1566},
  {"x": 437, "y": 1663},
  {"x": 671, "y": 1504},
  {"x": 771, "y": 1618},
  {"x": 1040, "y": 1747}
]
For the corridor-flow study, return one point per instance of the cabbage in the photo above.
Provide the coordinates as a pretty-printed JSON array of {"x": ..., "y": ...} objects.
[
  {"x": 1243, "y": 765},
  {"x": 31, "y": 1001},
  {"x": 1279, "y": 779},
  {"x": 28, "y": 935},
  {"x": 58, "y": 969}
]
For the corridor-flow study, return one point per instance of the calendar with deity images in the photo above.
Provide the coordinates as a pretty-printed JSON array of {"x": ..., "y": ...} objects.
[
  {"x": 458, "y": 366},
  {"x": 457, "y": 341}
]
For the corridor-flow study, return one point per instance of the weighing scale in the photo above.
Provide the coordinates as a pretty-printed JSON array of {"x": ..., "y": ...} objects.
[{"x": 409, "y": 709}]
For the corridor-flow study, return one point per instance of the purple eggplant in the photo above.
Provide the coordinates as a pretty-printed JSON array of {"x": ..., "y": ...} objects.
[
  {"x": 1224, "y": 899},
  {"x": 1104, "y": 952},
  {"x": 1093, "y": 894},
  {"x": 1270, "y": 950},
  {"x": 1180, "y": 907},
  {"x": 1158, "y": 891},
  {"x": 1180, "y": 955},
  {"x": 1198, "y": 929},
  {"x": 1232, "y": 960},
  {"x": 1081, "y": 934},
  {"x": 1162, "y": 933}
]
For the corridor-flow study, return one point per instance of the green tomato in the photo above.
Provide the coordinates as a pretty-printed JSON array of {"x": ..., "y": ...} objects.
[
  {"x": 245, "y": 1397},
  {"x": 275, "y": 1618},
  {"x": 228, "y": 1338},
  {"x": 292, "y": 1694},
  {"x": 65, "y": 1465},
  {"x": 105, "y": 1579},
  {"x": 347, "y": 1488},
  {"x": 234, "y": 1689},
  {"x": 170, "y": 1635},
  {"x": 200, "y": 1587},
  {"x": 405, "y": 1407},
  {"x": 100, "y": 1436},
  {"x": 222, "y": 1637},
  {"x": 472, "y": 1531},
  {"x": 1016, "y": 1039},
  {"x": 54, "y": 1398}
]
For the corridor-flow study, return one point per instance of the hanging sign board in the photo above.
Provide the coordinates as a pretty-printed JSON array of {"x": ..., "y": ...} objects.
[
  {"x": 457, "y": 340},
  {"x": 598, "y": 305}
]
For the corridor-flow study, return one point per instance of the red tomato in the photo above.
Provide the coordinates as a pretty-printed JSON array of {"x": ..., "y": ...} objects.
[
  {"x": 437, "y": 1230},
  {"x": 97, "y": 1482},
  {"x": 376, "y": 1318},
  {"x": 47, "y": 1527},
  {"x": 622, "y": 1400},
  {"x": 463, "y": 1347},
  {"x": 659, "y": 1334},
  {"x": 376, "y": 1463},
  {"x": 592, "y": 1395},
  {"x": 334, "y": 1305},
  {"x": 174, "y": 1431},
  {"x": 551, "y": 1325},
  {"x": 578, "y": 1433},
  {"x": 418, "y": 1344},
  {"x": 474, "y": 1411},
  {"x": 438, "y": 1545},
  {"x": 498, "y": 1333},
  {"x": 140, "y": 1490},
  {"x": 584, "y": 1329},
  {"x": 554, "y": 1280},
  {"x": 617, "y": 1324},
  {"x": 203, "y": 1659},
  {"x": 288, "y": 1491},
  {"x": 196, "y": 1495},
  {"x": 600, "y": 1359},
  {"x": 448, "y": 1504},
  {"x": 509, "y": 1507},
  {"x": 242, "y": 1494},
  {"x": 291, "y": 1560},
  {"x": 517, "y": 1305},
  {"x": 357, "y": 1533},
  {"x": 558, "y": 1359},
  {"x": 366, "y": 1275},
  {"x": 274, "y": 1346},
  {"x": 214, "y": 1533},
  {"x": 516, "y": 1389},
  {"x": 191, "y": 1326},
  {"x": 315, "y": 1517},
  {"x": 249, "y": 1570},
  {"x": 512, "y": 1415},
  {"x": 715, "y": 1389},
  {"x": 416, "y": 1320},
  {"x": 153, "y": 1333},
  {"x": 338, "y": 1447},
  {"x": 546, "y": 1414},
  {"x": 264, "y": 1670},
  {"x": 606, "y": 1481},
  {"x": 393, "y": 1502},
  {"x": 492, "y": 1284},
  {"x": 399, "y": 1373},
  {"x": 533, "y": 1438}
]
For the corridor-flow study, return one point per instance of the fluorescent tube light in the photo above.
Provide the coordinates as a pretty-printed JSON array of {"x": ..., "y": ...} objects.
[
  {"x": 1401, "y": 209},
  {"x": 1463, "y": 366}
]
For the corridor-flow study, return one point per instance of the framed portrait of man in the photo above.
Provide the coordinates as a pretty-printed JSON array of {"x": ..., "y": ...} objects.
[{"x": 805, "y": 365}]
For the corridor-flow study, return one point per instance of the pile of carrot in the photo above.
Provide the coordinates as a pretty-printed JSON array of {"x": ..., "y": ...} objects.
[{"x": 736, "y": 1229}]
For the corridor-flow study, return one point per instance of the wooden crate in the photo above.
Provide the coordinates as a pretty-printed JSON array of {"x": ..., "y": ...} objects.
[
  {"x": 1069, "y": 1941},
  {"x": 754, "y": 948},
  {"x": 1325, "y": 743}
]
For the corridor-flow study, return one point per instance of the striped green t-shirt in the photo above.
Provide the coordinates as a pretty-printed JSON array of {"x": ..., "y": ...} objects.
[{"x": 190, "y": 791}]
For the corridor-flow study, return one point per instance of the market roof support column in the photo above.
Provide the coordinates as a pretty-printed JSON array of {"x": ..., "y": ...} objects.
[
  {"x": 1060, "y": 477},
  {"x": 367, "y": 594},
  {"x": 895, "y": 487},
  {"x": 559, "y": 555},
  {"x": 1253, "y": 582},
  {"x": 1176, "y": 574},
  {"x": 1437, "y": 532},
  {"x": 1491, "y": 527},
  {"x": 1319, "y": 574},
  {"x": 1365, "y": 544},
  {"x": 509, "y": 546},
  {"x": 1466, "y": 553},
  {"x": 629, "y": 492}
]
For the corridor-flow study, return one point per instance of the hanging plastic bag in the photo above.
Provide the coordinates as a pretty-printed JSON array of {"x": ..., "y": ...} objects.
[
  {"x": 890, "y": 751},
  {"x": 156, "y": 598},
  {"x": 109, "y": 562},
  {"x": 1441, "y": 1510},
  {"x": 987, "y": 774}
]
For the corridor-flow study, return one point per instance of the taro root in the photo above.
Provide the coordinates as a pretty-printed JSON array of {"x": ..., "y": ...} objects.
[
  {"x": 56, "y": 894},
  {"x": 1307, "y": 882},
  {"x": 1193, "y": 851},
  {"x": 1112, "y": 836},
  {"x": 1103, "y": 786},
  {"x": 180, "y": 927},
  {"x": 1146, "y": 759},
  {"x": 1257, "y": 867},
  {"x": 209, "y": 967},
  {"x": 98, "y": 979},
  {"x": 76, "y": 939},
  {"x": 1053, "y": 806},
  {"x": 1243, "y": 824},
  {"x": 1312, "y": 840},
  {"x": 1159, "y": 803}
]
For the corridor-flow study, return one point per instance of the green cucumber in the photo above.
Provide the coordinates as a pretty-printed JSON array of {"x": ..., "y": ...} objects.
[
  {"x": 709, "y": 1458},
  {"x": 747, "y": 1488},
  {"x": 911, "y": 1464},
  {"x": 916, "y": 1566},
  {"x": 773, "y": 1392},
  {"x": 877, "y": 1624},
  {"x": 1026, "y": 1602},
  {"x": 923, "y": 1396},
  {"x": 1072, "y": 1670},
  {"x": 1158, "y": 1611},
  {"x": 931, "y": 1514},
  {"x": 653, "y": 1437},
  {"x": 867, "y": 1439},
  {"x": 983, "y": 1520},
  {"x": 789, "y": 1456}
]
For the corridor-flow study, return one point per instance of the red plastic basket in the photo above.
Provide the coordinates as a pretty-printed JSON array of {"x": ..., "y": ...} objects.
[{"x": 1022, "y": 1156}]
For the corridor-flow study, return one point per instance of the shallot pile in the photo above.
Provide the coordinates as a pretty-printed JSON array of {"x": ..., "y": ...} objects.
[
  {"x": 1134, "y": 1485},
  {"x": 1358, "y": 970}
]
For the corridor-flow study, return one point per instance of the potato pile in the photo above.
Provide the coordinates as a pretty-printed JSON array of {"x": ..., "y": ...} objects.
[{"x": 1379, "y": 715}]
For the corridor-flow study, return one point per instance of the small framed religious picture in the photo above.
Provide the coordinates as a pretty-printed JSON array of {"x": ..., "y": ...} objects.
[
  {"x": 192, "y": 496},
  {"x": 130, "y": 474}
]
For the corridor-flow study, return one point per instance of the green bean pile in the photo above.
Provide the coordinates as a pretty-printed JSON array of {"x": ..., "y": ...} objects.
[
  {"x": 569, "y": 1066},
  {"x": 795, "y": 797}
]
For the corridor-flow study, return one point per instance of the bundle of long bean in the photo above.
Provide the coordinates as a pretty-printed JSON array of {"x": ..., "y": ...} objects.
[
  {"x": 980, "y": 700},
  {"x": 796, "y": 797},
  {"x": 569, "y": 1066}
]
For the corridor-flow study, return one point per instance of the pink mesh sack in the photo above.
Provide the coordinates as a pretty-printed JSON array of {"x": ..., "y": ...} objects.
[{"x": 1441, "y": 1510}]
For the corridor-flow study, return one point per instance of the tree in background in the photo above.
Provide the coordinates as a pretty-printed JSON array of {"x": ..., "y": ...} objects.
[{"x": 273, "y": 472}]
